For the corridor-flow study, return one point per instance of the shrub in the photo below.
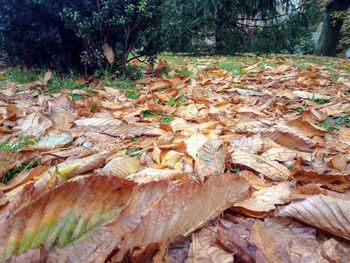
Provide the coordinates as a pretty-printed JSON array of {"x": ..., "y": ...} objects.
[
  {"x": 64, "y": 34},
  {"x": 32, "y": 34}
]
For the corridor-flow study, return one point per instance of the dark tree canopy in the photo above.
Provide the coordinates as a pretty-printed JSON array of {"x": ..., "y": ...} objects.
[
  {"x": 329, "y": 39},
  {"x": 236, "y": 26},
  {"x": 64, "y": 34}
]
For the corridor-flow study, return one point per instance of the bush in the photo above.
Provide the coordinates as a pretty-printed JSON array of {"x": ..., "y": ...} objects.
[
  {"x": 32, "y": 34},
  {"x": 64, "y": 34}
]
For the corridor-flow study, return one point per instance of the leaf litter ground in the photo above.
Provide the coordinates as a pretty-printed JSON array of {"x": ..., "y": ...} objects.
[{"x": 206, "y": 159}]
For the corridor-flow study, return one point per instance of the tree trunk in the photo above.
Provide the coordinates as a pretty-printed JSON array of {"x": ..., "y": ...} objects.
[{"x": 329, "y": 39}]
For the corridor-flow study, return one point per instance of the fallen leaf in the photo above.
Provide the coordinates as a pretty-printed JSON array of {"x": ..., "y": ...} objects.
[
  {"x": 265, "y": 200},
  {"x": 108, "y": 53},
  {"x": 121, "y": 166},
  {"x": 150, "y": 174},
  {"x": 327, "y": 213},
  {"x": 194, "y": 143},
  {"x": 198, "y": 209},
  {"x": 204, "y": 250},
  {"x": 63, "y": 214},
  {"x": 213, "y": 154},
  {"x": 270, "y": 169}
]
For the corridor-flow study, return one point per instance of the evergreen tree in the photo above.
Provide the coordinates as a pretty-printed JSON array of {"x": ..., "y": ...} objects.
[{"x": 241, "y": 26}]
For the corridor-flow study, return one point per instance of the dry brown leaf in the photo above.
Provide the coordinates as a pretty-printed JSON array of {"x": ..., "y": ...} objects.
[
  {"x": 11, "y": 160},
  {"x": 314, "y": 116},
  {"x": 194, "y": 143},
  {"x": 270, "y": 169},
  {"x": 203, "y": 249},
  {"x": 150, "y": 174},
  {"x": 35, "y": 124},
  {"x": 251, "y": 144},
  {"x": 156, "y": 153},
  {"x": 276, "y": 240},
  {"x": 55, "y": 176},
  {"x": 306, "y": 128},
  {"x": 285, "y": 155},
  {"x": 249, "y": 126},
  {"x": 202, "y": 170},
  {"x": 188, "y": 112},
  {"x": 265, "y": 200},
  {"x": 62, "y": 112},
  {"x": 324, "y": 212},
  {"x": 97, "y": 245},
  {"x": 213, "y": 154},
  {"x": 62, "y": 215},
  {"x": 340, "y": 163},
  {"x": 121, "y": 166},
  {"x": 310, "y": 96},
  {"x": 289, "y": 138},
  {"x": 100, "y": 121},
  {"x": 332, "y": 179},
  {"x": 108, "y": 53},
  {"x": 185, "y": 208}
]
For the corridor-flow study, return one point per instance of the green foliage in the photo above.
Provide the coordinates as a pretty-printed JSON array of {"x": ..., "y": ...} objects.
[
  {"x": 344, "y": 17},
  {"x": 335, "y": 123},
  {"x": 19, "y": 75},
  {"x": 64, "y": 34},
  {"x": 168, "y": 119},
  {"x": 18, "y": 144},
  {"x": 150, "y": 113},
  {"x": 163, "y": 119},
  {"x": 132, "y": 95},
  {"x": 332, "y": 28},
  {"x": 128, "y": 27},
  {"x": 319, "y": 101},
  {"x": 32, "y": 34},
  {"x": 8, "y": 175},
  {"x": 173, "y": 102},
  {"x": 237, "y": 26}
]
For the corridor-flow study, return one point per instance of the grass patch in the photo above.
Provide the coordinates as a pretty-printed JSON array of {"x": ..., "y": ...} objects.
[
  {"x": 18, "y": 144},
  {"x": 319, "y": 101},
  {"x": 232, "y": 65},
  {"x": 122, "y": 84},
  {"x": 335, "y": 123},
  {"x": 173, "y": 102},
  {"x": 8, "y": 175},
  {"x": 150, "y": 113},
  {"x": 20, "y": 75},
  {"x": 163, "y": 118},
  {"x": 167, "y": 119},
  {"x": 131, "y": 94},
  {"x": 57, "y": 83},
  {"x": 183, "y": 72}
]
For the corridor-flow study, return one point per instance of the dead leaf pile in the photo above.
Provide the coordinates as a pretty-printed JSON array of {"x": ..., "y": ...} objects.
[{"x": 200, "y": 167}]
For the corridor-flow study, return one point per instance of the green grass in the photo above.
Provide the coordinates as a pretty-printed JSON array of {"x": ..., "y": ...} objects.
[
  {"x": 150, "y": 113},
  {"x": 131, "y": 94},
  {"x": 18, "y": 144},
  {"x": 319, "y": 101},
  {"x": 20, "y": 76},
  {"x": 122, "y": 84},
  {"x": 233, "y": 67},
  {"x": 183, "y": 72},
  {"x": 335, "y": 123},
  {"x": 8, "y": 175},
  {"x": 163, "y": 118},
  {"x": 173, "y": 102},
  {"x": 167, "y": 119},
  {"x": 57, "y": 83}
]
